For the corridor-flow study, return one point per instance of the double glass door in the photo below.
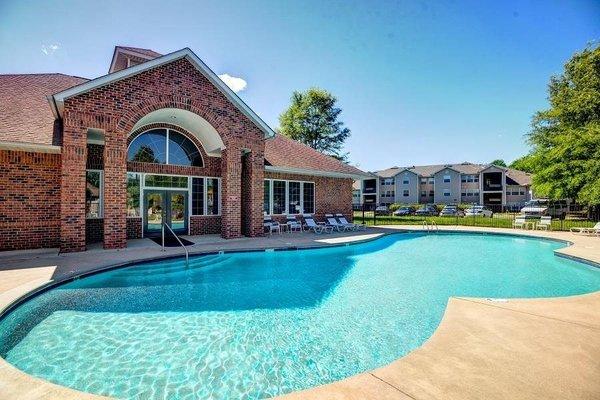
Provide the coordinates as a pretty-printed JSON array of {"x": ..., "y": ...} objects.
[{"x": 169, "y": 206}]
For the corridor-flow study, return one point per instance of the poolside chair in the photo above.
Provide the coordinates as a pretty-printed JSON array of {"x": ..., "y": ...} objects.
[
  {"x": 344, "y": 221},
  {"x": 545, "y": 223},
  {"x": 595, "y": 230},
  {"x": 331, "y": 221},
  {"x": 519, "y": 222},
  {"x": 270, "y": 225},
  {"x": 311, "y": 225},
  {"x": 293, "y": 224}
]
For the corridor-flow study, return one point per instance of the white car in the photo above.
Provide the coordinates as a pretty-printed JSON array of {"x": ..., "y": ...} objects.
[
  {"x": 479, "y": 211},
  {"x": 535, "y": 208}
]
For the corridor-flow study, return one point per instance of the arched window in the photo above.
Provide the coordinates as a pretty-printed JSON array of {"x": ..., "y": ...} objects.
[{"x": 164, "y": 146}]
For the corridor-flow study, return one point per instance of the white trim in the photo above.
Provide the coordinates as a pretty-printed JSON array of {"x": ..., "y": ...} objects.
[
  {"x": 287, "y": 194},
  {"x": 313, "y": 172},
  {"x": 59, "y": 98},
  {"x": 30, "y": 147},
  {"x": 126, "y": 52}
]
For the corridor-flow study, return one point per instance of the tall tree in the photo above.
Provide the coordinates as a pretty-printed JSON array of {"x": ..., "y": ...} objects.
[
  {"x": 312, "y": 119},
  {"x": 566, "y": 137},
  {"x": 499, "y": 162},
  {"x": 525, "y": 163}
]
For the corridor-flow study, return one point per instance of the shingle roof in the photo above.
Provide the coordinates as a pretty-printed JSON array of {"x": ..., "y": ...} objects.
[
  {"x": 520, "y": 177},
  {"x": 281, "y": 151},
  {"x": 25, "y": 114},
  {"x": 145, "y": 52}
]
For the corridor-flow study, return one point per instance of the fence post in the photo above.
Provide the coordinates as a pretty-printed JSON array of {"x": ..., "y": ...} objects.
[{"x": 374, "y": 215}]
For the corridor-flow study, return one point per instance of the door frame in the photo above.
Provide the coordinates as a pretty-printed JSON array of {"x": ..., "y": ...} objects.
[{"x": 166, "y": 209}]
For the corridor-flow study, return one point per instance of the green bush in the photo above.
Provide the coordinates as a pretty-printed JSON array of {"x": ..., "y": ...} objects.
[{"x": 393, "y": 207}]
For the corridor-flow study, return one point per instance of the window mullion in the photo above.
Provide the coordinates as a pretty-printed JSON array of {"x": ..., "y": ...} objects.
[{"x": 167, "y": 148}]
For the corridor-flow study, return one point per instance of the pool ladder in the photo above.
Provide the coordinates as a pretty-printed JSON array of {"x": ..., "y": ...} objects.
[
  {"x": 430, "y": 226},
  {"x": 187, "y": 255}
]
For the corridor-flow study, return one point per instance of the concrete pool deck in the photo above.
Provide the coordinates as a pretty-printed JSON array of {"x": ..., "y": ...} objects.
[{"x": 517, "y": 349}]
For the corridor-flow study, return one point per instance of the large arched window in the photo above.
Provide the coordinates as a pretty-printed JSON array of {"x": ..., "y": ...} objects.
[{"x": 164, "y": 146}]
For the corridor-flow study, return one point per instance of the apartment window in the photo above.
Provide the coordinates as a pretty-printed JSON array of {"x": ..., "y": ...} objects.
[
  {"x": 133, "y": 194},
  {"x": 405, "y": 193},
  {"x": 197, "y": 196},
  {"x": 476, "y": 178},
  {"x": 294, "y": 206},
  {"x": 212, "y": 196},
  {"x": 405, "y": 180},
  {"x": 446, "y": 178},
  {"x": 446, "y": 192},
  {"x": 387, "y": 181},
  {"x": 423, "y": 193},
  {"x": 431, "y": 180},
  {"x": 93, "y": 194},
  {"x": 431, "y": 193},
  {"x": 463, "y": 178},
  {"x": 392, "y": 193},
  {"x": 464, "y": 194},
  {"x": 423, "y": 181}
]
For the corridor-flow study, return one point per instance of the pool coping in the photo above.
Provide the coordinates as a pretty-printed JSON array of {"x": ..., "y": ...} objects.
[{"x": 48, "y": 390}]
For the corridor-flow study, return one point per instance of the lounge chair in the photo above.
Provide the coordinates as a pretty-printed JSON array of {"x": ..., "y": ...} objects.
[
  {"x": 270, "y": 225},
  {"x": 519, "y": 222},
  {"x": 293, "y": 224},
  {"x": 595, "y": 230},
  {"x": 545, "y": 223},
  {"x": 344, "y": 221},
  {"x": 331, "y": 221},
  {"x": 311, "y": 225}
]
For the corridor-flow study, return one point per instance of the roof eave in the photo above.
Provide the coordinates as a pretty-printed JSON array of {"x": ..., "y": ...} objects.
[
  {"x": 60, "y": 97},
  {"x": 314, "y": 172}
]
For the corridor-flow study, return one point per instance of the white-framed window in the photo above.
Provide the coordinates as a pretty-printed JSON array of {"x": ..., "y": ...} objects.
[
  {"x": 164, "y": 146},
  {"x": 431, "y": 180},
  {"x": 134, "y": 194},
  {"x": 431, "y": 193},
  {"x": 205, "y": 195},
  {"x": 446, "y": 178},
  {"x": 446, "y": 192},
  {"x": 423, "y": 193},
  {"x": 288, "y": 197},
  {"x": 94, "y": 193},
  {"x": 405, "y": 193},
  {"x": 387, "y": 181}
]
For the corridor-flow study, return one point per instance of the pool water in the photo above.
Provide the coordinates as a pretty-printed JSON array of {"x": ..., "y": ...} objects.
[{"x": 259, "y": 324}]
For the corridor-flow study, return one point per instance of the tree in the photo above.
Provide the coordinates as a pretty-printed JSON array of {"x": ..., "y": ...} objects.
[
  {"x": 566, "y": 137},
  {"x": 525, "y": 163},
  {"x": 312, "y": 119},
  {"x": 499, "y": 162}
]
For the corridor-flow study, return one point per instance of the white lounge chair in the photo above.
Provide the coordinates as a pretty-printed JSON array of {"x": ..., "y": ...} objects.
[
  {"x": 344, "y": 221},
  {"x": 293, "y": 224},
  {"x": 595, "y": 230},
  {"x": 271, "y": 226},
  {"x": 311, "y": 225},
  {"x": 545, "y": 223},
  {"x": 520, "y": 222},
  {"x": 331, "y": 221}
]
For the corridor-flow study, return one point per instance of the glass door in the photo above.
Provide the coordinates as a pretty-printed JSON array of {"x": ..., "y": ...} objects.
[{"x": 165, "y": 205}]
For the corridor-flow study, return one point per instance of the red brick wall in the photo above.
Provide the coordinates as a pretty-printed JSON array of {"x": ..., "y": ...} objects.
[
  {"x": 205, "y": 225},
  {"x": 115, "y": 108},
  {"x": 94, "y": 230},
  {"x": 332, "y": 195},
  {"x": 134, "y": 227},
  {"x": 29, "y": 200}
]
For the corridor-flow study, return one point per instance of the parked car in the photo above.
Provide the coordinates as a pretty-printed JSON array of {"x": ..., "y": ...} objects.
[
  {"x": 450, "y": 211},
  {"x": 539, "y": 207},
  {"x": 404, "y": 211},
  {"x": 428, "y": 210},
  {"x": 479, "y": 211},
  {"x": 382, "y": 210}
]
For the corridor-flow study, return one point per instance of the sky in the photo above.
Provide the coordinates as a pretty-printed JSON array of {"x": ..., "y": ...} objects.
[{"x": 419, "y": 82}]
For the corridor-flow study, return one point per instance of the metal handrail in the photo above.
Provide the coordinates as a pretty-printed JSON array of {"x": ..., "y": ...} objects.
[
  {"x": 425, "y": 225},
  {"x": 187, "y": 255},
  {"x": 434, "y": 225}
]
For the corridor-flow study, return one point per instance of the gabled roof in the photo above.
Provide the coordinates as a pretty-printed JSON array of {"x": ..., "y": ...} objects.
[
  {"x": 286, "y": 155},
  {"x": 186, "y": 53},
  {"x": 519, "y": 177},
  {"x": 25, "y": 115},
  {"x": 122, "y": 53}
]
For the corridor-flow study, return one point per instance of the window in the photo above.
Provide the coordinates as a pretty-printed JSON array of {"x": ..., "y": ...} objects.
[
  {"x": 423, "y": 181},
  {"x": 446, "y": 178},
  {"x": 197, "y": 196},
  {"x": 463, "y": 178},
  {"x": 164, "y": 146},
  {"x": 212, "y": 196},
  {"x": 278, "y": 197},
  {"x": 465, "y": 194},
  {"x": 431, "y": 180},
  {"x": 431, "y": 193},
  {"x": 167, "y": 181},
  {"x": 267, "y": 197},
  {"x": 446, "y": 192},
  {"x": 93, "y": 194},
  {"x": 405, "y": 180},
  {"x": 476, "y": 178},
  {"x": 309, "y": 197},
  {"x": 387, "y": 181},
  {"x": 133, "y": 194},
  {"x": 423, "y": 193},
  {"x": 294, "y": 206},
  {"x": 405, "y": 193}
]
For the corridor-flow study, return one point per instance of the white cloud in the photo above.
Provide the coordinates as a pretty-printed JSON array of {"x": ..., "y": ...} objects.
[
  {"x": 235, "y": 84},
  {"x": 49, "y": 49}
]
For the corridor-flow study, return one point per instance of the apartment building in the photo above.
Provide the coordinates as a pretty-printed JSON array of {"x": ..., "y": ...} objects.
[{"x": 485, "y": 184}]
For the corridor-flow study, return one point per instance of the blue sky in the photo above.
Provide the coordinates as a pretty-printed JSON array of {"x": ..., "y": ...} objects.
[{"x": 418, "y": 82}]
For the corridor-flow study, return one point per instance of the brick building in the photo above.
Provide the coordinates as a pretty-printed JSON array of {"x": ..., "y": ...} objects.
[{"x": 160, "y": 138}]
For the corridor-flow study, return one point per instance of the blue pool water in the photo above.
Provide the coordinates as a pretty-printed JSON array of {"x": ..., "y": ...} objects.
[{"x": 255, "y": 325}]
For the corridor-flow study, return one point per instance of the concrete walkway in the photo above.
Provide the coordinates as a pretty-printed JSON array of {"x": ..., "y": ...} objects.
[{"x": 518, "y": 349}]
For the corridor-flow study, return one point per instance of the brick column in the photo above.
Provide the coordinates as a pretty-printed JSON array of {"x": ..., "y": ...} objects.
[
  {"x": 231, "y": 172},
  {"x": 253, "y": 195},
  {"x": 73, "y": 187},
  {"x": 115, "y": 190}
]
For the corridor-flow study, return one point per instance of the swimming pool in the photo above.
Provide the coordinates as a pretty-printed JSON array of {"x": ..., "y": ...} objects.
[{"x": 254, "y": 325}]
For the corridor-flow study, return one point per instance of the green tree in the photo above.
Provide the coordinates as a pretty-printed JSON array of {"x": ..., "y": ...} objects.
[
  {"x": 312, "y": 119},
  {"x": 525, "y": 163},
  {"x": 566, "y": 137},
  {"x": 499, "y": 162}
]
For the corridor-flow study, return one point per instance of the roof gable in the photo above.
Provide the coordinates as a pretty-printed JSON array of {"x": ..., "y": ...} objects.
[
  {"x": 125, "y": 57},
  {"x": 186, "y": 53}
]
